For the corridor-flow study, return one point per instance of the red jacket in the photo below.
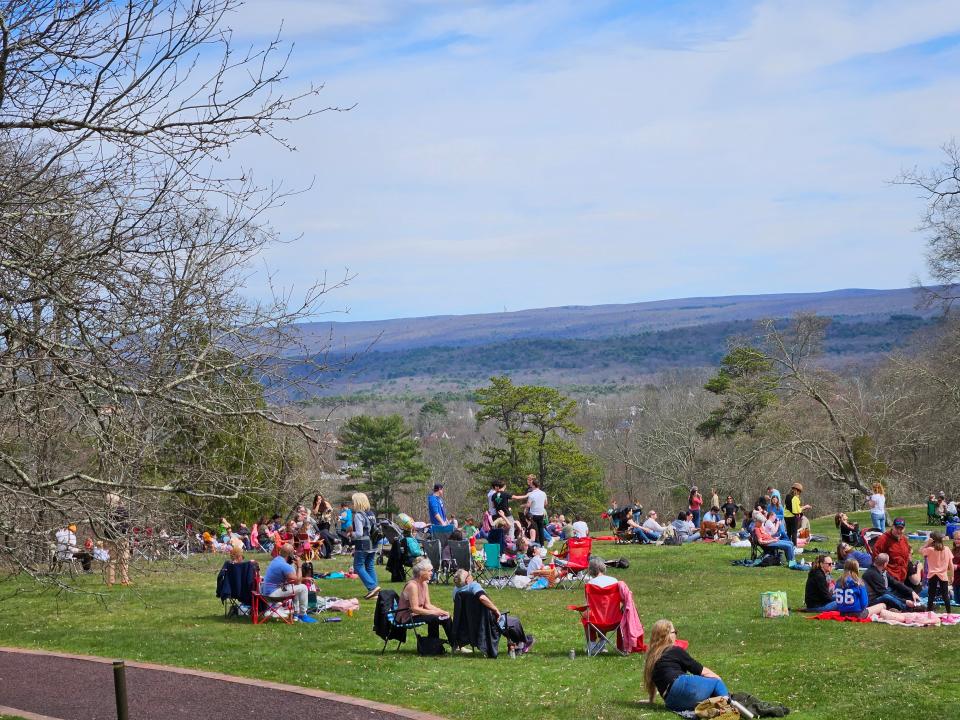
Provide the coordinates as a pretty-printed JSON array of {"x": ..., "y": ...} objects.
[{"x": 899, "y": 552}]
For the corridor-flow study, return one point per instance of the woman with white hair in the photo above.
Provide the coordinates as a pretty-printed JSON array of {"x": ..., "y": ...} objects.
[{"x": 415, "y": 602}]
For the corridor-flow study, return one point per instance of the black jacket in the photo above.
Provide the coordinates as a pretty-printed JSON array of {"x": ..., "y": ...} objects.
[
  {"x": 235, "y": 580},
  {"x": 395, "y": 562},
  {"x": 473, "y": 624},
  {"x": 877, "y": 584},
  {"x": 818, "y": 589},
  {"x": 387, "y": 602}
]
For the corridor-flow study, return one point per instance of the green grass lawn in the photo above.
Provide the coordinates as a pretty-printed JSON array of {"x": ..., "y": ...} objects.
[{"x": 819, "y": 669}]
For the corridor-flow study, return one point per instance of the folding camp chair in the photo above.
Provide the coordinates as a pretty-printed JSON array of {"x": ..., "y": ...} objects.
[
  {"x": 265, "y": 607},
  {"x": 432, "y": 549},
  {"x": 492, "y": 566},
  {"x": 385, "y": 623},
  {"x": 601, "y": 615},
  {"x": 570, "y": 573},
  {"x": 456, "y": 556},
  {"x": 236, "y": 583}
]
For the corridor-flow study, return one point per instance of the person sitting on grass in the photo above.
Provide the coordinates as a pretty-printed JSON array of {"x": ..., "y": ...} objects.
[
  {"x": 639, "y": 531},
  {"x": 670, "y": 670},
  {"x": 851, "y": 594},
  {"x": 883, "y": 588},
  {"x": 686, "y": 530},
  {"x": 652, "y": 527},
  {"x": 282, "y": 572},
  {"x": 768, "y": 541},
  {"x": 844, "y": 551},
  {"x": 511, "y": 626},
  {"x": 818, "y": 595}
]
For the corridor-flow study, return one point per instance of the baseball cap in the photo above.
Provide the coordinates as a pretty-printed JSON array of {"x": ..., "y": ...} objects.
[{"x": 899, "y": 522}]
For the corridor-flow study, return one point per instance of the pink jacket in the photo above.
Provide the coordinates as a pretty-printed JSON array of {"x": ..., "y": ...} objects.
[{"x": 630, "y": 637}]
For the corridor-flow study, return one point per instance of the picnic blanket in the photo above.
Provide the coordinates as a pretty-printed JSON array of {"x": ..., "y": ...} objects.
[{"x": 834, "y": 615}]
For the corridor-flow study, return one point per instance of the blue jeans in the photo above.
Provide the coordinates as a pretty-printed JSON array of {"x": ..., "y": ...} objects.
[
  {"x": 646, "y": 535},
  {"x": 688, "y": 690},
  {"x": 784, "y": 545},
  {"x": 696, "y": 517},
  {"x": 363, "y": 564},
  {"x": 879, "y": 520},
  {"x": 826, "y": 608},
  {"x": 891, "y": 601},
  {"x": 692, "y": 537}
]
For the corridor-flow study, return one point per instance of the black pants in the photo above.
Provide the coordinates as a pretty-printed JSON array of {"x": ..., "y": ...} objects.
[
  {"x": 434, "y": 623},
  {"x": 936, "y": 586},
  {"x": 514, "y": 632},
  {"x": 538, "y": 521},
  {"x": 793, "y": 524}
]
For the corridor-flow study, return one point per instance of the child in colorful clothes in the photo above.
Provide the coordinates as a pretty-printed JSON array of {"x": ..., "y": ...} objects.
[
  {"x": 939, "y": 570},
  {"x": 850, "y": 594}
]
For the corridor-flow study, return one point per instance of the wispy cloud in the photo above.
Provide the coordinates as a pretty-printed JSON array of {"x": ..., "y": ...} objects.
[{"x": 530, "y": 154}]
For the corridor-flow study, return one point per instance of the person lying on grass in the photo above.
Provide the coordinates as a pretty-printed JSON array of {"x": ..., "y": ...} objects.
[
  {"x": 670, "y": 670},
  {"x": 844, "y": 551}
]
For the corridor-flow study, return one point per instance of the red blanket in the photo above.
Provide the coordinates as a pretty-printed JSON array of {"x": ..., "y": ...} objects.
[{"x": 834, "y": 615}]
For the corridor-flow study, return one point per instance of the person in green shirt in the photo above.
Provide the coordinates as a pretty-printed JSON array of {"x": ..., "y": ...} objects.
[{"x": 469, "y": 529}]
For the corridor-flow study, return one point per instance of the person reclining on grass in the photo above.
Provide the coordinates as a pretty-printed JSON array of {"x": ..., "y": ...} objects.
[
  {"x": 844, "y": 551},
  {"x": 282, "y": 573},
  {"x": 882, "y": 587},
  {"x": 768, "y": 541}
]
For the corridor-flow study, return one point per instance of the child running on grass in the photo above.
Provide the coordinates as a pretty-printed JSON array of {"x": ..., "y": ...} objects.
[{"x": 939, "y": 570}]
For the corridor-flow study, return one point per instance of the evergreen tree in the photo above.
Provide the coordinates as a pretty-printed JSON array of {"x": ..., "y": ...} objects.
[{"x": 383, "y": 458}]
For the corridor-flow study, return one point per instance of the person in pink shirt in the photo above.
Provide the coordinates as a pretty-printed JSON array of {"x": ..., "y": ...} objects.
[
  {"x": 939, "y": 570},
  {"x": 695, "y": 501}
]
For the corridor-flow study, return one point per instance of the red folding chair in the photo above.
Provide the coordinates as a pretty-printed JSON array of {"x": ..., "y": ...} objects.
[
  {"x": 265, "y": 607},
  {"x": 570, "y": 572},
  {"x": 601, "y": 615}
]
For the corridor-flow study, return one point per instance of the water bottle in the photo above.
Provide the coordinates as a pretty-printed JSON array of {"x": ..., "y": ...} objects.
[
  {"x": 512, "y": 653},
  {"x": 573, "y": 654},
  {"x": 333, "y": 619}
]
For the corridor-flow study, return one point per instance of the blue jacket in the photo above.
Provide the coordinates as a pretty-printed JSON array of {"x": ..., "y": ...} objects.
[{"x": 850, "y": 597}]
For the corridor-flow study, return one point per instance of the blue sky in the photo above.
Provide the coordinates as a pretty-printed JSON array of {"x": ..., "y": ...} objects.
[{"x": 518, "y": 154}]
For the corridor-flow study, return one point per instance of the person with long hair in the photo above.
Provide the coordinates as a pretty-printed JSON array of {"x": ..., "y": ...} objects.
[
  {"x": 321, "y": 510},
  {"x": 363, "y": 552},
  {"x": 694, "y": 503},
  {"x": 850, "y": 593},
  {"x": 793, "y": 510},
  {"x": 844, "y": 551},
  {"x": 818, "y": 594},
  {"x": 939, "y": 570},
  {"x": 670, "y": 670},
  {"x": 878, "y": 507},
  {"x": 849, "y": 531}
]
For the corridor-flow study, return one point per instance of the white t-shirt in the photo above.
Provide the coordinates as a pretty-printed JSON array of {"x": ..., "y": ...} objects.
[
  {"x": 493, "y": 511},
  {"x": 534, "y": 563},
  {"x": 651, "y": 524},
  {"x": 580, "y": 529},
  {"x": 879, "y": 503},
  {"x": 602, "y": 581},
  {"x": 538, "y": 502}
]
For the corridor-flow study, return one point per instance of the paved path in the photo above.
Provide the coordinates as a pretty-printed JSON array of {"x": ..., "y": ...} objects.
[{"x": 78, "y": 687}]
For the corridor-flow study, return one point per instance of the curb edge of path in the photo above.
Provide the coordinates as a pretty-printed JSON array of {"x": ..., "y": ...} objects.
[
  {"x": 4, "y": 710},
  {"x": 311, "y": 692}
]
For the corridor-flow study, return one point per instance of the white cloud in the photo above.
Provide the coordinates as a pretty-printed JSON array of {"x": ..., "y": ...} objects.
[{"x": 602, "y": 167}]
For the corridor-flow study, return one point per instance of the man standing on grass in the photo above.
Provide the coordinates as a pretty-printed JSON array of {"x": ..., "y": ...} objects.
[
  {"x": 894, "y": 543},
  {"x": 437, "y": 510},
  {"x": 537, "y": 506}
]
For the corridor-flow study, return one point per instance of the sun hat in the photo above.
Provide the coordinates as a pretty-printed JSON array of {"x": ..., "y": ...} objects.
[{"x": 797, "y": 486}]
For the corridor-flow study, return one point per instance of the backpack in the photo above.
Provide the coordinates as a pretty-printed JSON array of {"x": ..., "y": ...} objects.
[
  {"x": 376, "y": 532},
  {"x": 671, "y": 536},
  {"x": 769, "y": 560}
]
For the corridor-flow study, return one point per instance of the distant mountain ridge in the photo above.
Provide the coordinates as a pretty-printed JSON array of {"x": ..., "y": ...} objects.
[{"x": 599, "y": 321}]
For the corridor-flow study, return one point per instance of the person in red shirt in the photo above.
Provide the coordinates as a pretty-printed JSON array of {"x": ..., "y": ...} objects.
[{"x": 894, "y": 543}]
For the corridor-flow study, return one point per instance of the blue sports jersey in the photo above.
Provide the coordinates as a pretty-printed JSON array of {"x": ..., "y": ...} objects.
[{"x": 850, "y": 597}]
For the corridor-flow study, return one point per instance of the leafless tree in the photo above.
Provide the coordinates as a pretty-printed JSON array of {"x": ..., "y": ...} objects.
[
  {"x": 124, "y": 332},
  {"x": 940, "y": 187}
]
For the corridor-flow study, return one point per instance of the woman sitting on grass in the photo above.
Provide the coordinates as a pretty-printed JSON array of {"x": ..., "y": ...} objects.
[
  {"x": 681, "y": 681},
  {"x": 818, "y": 595}
]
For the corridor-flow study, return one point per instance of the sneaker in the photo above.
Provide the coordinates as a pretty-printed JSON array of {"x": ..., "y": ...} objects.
[
  {"x": 306, "y": 618},
  {"x": 744, "y": 712},
  {"x": 372, "y": 594},
  {"x": 528, "y": 644},
  {"x": 465, "y": 650}
]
